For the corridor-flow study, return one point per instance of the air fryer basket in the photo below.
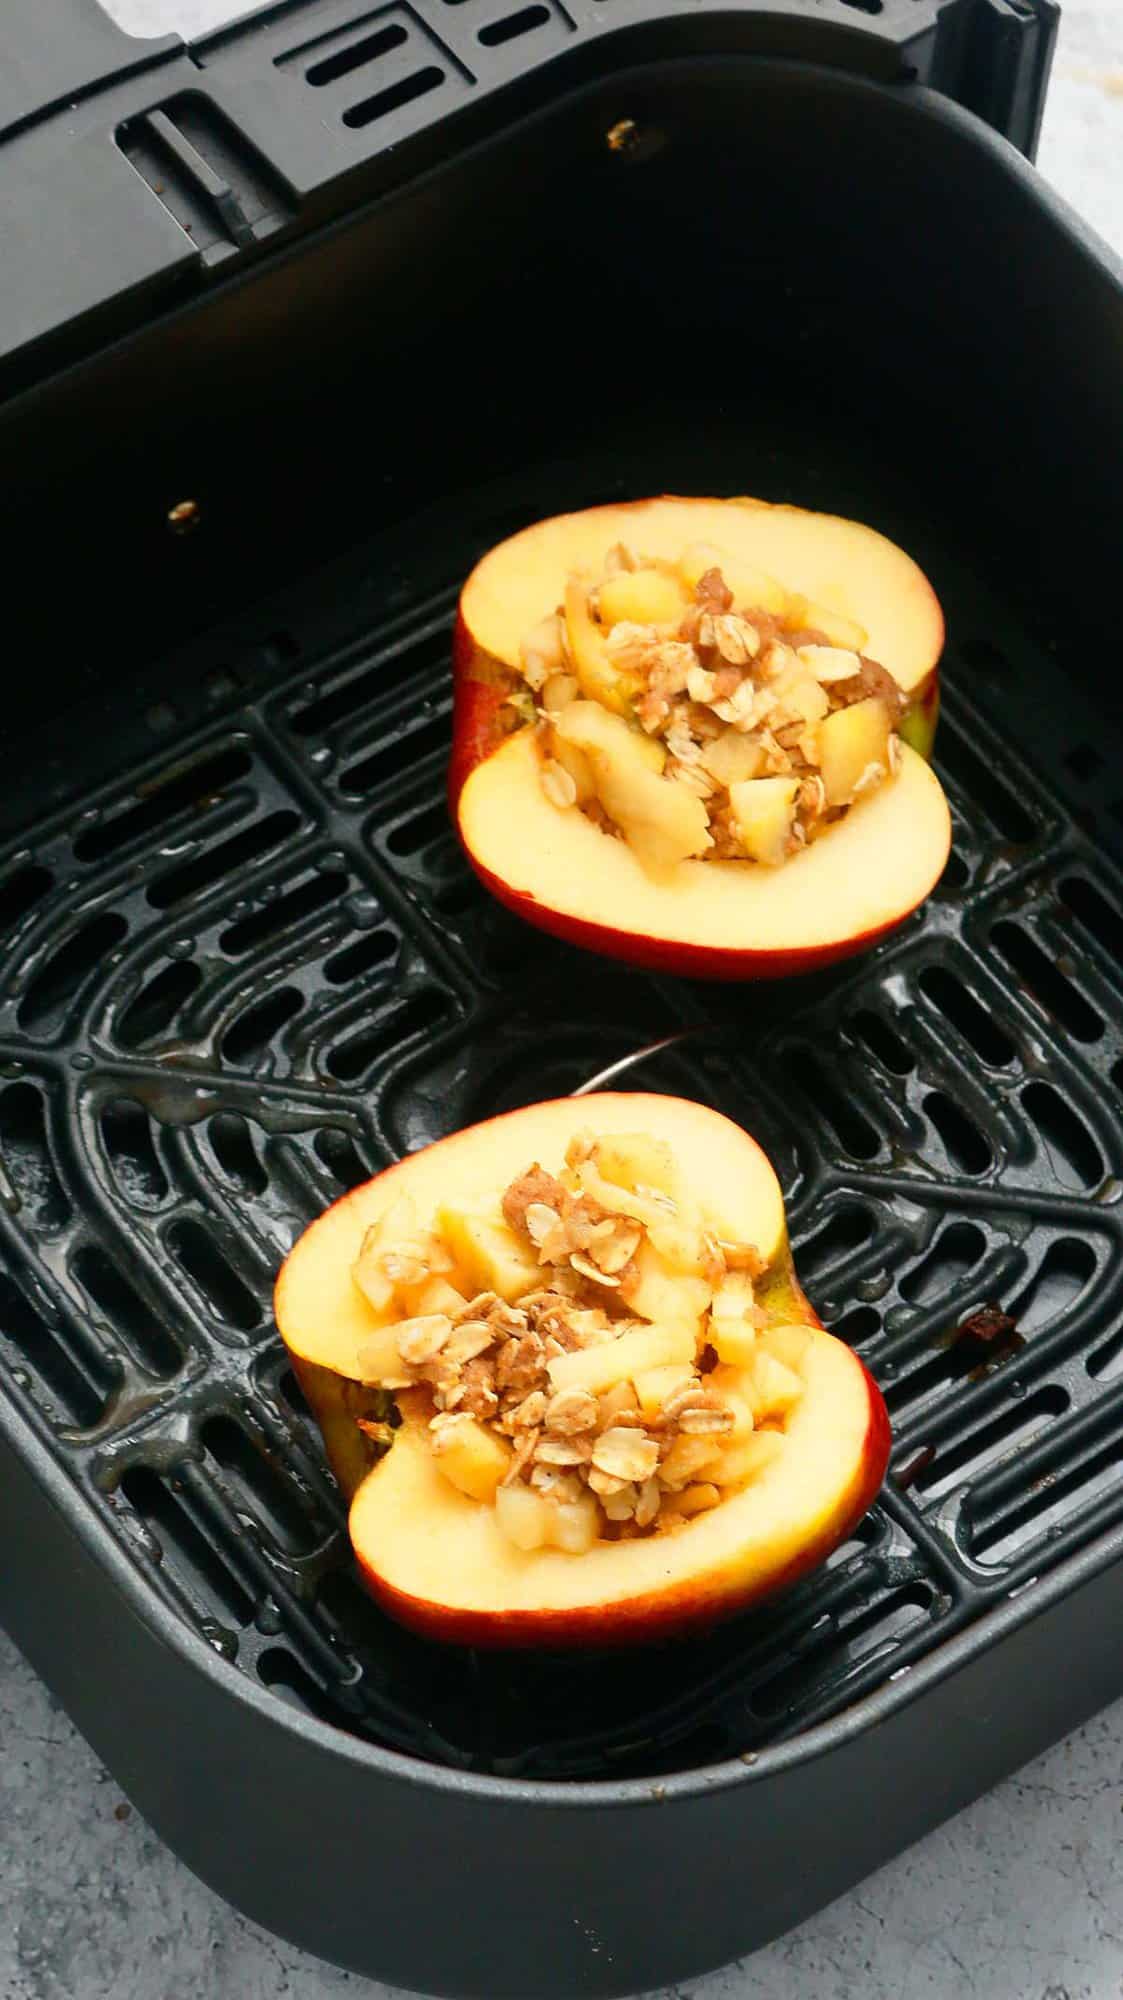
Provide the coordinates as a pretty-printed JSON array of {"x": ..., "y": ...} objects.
[{"x": 245, "y": 966}]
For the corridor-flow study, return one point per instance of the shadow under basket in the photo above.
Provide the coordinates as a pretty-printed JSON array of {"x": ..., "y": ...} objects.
[{"x": 245, "y": 966}]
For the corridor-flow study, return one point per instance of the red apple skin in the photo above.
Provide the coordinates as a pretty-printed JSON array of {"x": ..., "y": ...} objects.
[{"x": 480, "y": 688}]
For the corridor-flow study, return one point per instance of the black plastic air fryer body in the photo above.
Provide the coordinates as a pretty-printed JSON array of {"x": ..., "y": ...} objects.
[{"x": 294, "y": 323}]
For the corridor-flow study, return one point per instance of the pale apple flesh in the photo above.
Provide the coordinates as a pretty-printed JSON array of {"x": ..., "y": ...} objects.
[
  {"x": 439, "y": 1560},
  {"x": 766, "y": 912}
]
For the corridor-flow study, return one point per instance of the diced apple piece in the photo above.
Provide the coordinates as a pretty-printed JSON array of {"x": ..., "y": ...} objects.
[
  {"x": 680, "y": 1244},
  {"x": 775, "y": 1389},
  {"x": 474, "y": 1459},
  {"x": 523, "y": 1515},
  {"x": 788, "y": 1343},
  {"x": 602, "y": 680},
  {"x": 654, "y": 1385},
  {"x": 732, "y": 757},
  {"x": 618, "y": 1200},
  {"x": 753, "y": 589},
  {"x": 745, "y": 1459},
  {"x": 373, "y": 1283},
  {"x": 396, "y": 1229},
  {"x": 621, "y": 1396},
  {"x": 697, "y": 559},
  {"x": 432, "y": 1295},
  {"x": 661, "y": 820},
  {"x": 653, "y": 1290},
  {"x": 808, "y": 699},
  {"x": 763, "y": 810},
  {"x": 732, "y": 1328},
  {"x": 734, "y": 1386},
  {"x": 622, "y": 1359},
  {"x": 734, "y": 1341},
  {"x": 577, "y": 764},
  {"x": 586, "y": 726},
  {"x": 559, "y": 691},
  {"x": 379, "y": 1360},
  {"x": 829, "y": 663},
  {"x": 696, "y": 1499},
  {"x": 543, "y": 651},
  {"x": 633, "y": 1159},
  {"x": 574, "y": 1526},
  {"x": 686, "y": 1459},
  {"x": 850, "y": 741},
  {"x": 491, "y": 1256},
  {"x": 640, "y": 597},
  {"x": 840, "y": 630}
]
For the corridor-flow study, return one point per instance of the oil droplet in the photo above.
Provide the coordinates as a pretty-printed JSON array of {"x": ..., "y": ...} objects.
[
  {"x": 363, "y": 908},
  {"x": 268, "y": 1618},
  {"x": 323, "y": 757},
  {"x": 81, "y": 1061},
  {"x": 21, "y": 1378},
  {"x": 181, "y": 947},
  {"x": 1016, "y": 1389}
]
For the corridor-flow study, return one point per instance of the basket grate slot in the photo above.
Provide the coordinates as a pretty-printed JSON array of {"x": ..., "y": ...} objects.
[
  {"x": 1098, "y": 917},
  {"x": 1073, "y": 1153},
  {"x": 258, "y": 1487},
  {"x": 27, "y": 1160},
  {"x": 111, "y": 1292},
  {"x": 232, "y": 1144},
  {"x": 159, "y": 1003},
  {"x": 198, "y": 1252},
  {"x": 1047, "y": 983},
  {"x": 76, "y": 1376},
  {"x": 191, "y": 1561},
  {"x": 251, "y": 1032},
  {"x": 317, "y": 893},
  {"x": 954, "y": 1255},
  {"x": 956, "y": 1002},
  {"x": 967, "y": 1148},
  {"x": 20, "y": 891},
  {"x": 179, "y": 884},
  {"x": 177, "y": 792},
  {"x": 873, "y": 1631},
  {"x": 126, "y": 1134},
  {"x": 67, "y": 969},
  {"x": 1007, "y": 1433}
]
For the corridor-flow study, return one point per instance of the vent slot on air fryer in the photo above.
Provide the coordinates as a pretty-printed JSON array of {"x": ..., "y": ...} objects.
[{"x": 376, "y": 64}]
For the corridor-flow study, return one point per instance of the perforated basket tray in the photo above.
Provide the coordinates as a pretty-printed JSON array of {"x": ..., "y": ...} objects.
[{"x": 244, "y": 967}]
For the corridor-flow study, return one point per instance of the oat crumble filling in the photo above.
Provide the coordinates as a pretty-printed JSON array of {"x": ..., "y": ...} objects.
[
  {"x": 730, "y": 732},
  {"x": 633, "y": 1382}
]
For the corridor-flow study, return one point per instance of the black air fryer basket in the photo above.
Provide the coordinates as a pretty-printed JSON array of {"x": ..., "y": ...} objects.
[{"x": 293, "y": 324}]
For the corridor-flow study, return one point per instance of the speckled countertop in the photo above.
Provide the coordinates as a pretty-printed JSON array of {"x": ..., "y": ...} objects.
[{"x": 1019, "y": 1898}]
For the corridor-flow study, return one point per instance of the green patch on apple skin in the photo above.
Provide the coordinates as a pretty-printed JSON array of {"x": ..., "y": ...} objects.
[
  {"x": 917, "y": 727},
  {"x": 779, "y": 1292}
]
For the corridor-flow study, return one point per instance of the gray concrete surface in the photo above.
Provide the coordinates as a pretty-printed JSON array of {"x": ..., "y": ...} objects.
[{"x": 1019, "y": 1898}]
